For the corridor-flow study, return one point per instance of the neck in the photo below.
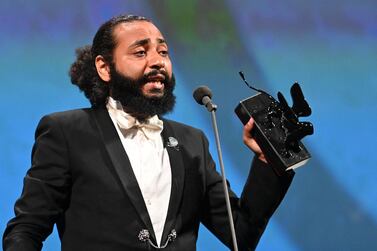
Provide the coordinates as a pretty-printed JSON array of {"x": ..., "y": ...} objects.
[{"x": 139, "y": 116}]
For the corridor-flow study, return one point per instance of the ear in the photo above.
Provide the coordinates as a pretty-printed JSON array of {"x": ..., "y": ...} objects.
[{"x": 103, "y": 68}]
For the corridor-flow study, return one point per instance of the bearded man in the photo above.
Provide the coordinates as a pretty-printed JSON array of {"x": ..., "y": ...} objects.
[{"x": 118, "y": 176}]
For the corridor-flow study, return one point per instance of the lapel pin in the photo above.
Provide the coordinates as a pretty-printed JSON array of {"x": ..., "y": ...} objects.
[{"x": 172, "y": 142}]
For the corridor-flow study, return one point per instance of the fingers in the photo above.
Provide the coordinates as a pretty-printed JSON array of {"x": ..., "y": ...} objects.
[
  {"x": 247, "y": 130},
  {"x": 250, "y": 141},
  {"x": 247, "y": 135},
  {"x": 249, "y": 125}
]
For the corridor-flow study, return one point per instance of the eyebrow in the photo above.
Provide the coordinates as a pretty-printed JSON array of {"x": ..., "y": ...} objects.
[{"x": 143, "y": 42}]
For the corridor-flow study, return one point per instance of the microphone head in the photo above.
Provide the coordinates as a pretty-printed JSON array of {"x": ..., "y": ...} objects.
[{"x": 200, "y": 93}]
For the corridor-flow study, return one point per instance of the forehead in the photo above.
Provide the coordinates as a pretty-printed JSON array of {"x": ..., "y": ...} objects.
[{"x": 130, "y": 32}]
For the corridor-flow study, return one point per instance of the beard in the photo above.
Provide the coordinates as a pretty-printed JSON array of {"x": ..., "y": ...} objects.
[{"x": 128, "y": 91}]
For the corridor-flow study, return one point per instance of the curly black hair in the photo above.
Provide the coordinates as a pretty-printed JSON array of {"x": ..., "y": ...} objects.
[{"x": 83, "y": 71}]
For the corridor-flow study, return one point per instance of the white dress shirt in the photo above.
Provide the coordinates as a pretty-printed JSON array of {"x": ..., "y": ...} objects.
[{"x": 149, "y": 160}]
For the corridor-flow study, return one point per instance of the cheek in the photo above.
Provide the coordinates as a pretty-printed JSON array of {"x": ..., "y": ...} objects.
[
  {"x": 169, "y": 68},
  {"x": 132, "y": 69}
]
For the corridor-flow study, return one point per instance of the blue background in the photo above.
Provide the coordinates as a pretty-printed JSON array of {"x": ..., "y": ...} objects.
[{"x": 330, "y": 47}]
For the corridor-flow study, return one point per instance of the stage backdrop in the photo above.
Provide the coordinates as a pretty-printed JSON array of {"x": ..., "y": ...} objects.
[{"x": 330, "y": 47}]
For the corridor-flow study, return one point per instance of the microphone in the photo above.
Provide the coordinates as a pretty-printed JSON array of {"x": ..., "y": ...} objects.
[{"x": 202, "y": 96}]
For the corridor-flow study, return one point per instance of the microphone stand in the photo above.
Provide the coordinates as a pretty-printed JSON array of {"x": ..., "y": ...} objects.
[{"x": 212, "y": 108}]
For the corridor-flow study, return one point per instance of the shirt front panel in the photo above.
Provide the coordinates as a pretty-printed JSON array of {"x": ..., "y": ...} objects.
[{"x": 151, "y": 166}]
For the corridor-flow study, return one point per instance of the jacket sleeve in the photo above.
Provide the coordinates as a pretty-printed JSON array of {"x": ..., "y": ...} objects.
[
  {"x": 45, "y": 193},
  {"x": 262, "y": 194}
]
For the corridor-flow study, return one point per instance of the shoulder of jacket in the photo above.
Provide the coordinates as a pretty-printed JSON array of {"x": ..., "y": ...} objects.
[
  {"x": 69, "y": 117},
  {"x": 181, "y": 126}
]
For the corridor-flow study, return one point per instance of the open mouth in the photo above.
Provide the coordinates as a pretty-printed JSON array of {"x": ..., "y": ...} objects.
[
  {"x": 156, "y": 78},
  {"x": 156, "y": 81},
  {"x": 155, "y": 84}
]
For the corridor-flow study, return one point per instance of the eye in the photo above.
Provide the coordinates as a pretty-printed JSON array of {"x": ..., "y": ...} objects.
[
  {"x": 140, "y": 53},
  {"x": 164, "y": 53}
]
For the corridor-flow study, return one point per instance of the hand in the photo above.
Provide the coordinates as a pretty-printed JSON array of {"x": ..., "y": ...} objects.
[{"x": 250, "y": 141}]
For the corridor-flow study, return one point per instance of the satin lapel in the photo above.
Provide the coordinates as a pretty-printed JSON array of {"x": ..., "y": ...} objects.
[
  {"x": 177, "y": 169},
  {"x": 122, "y": 165}
]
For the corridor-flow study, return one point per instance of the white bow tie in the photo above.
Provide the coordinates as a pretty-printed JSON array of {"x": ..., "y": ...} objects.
[{"x": 151, "y": 128}]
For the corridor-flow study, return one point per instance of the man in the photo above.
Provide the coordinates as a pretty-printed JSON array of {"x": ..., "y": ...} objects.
[{"x": 118, "y": 176}]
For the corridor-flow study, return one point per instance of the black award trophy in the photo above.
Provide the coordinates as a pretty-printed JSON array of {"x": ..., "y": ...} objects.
[{"x": 278, "y": 130}]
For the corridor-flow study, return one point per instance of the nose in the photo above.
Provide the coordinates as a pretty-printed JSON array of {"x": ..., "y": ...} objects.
[{"x": 157, "y": 61}]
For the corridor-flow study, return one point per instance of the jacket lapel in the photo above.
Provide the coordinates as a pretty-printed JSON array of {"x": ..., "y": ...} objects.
[
  {"x": 177, "y": 169},
  {"x": 122, "y": 165}
]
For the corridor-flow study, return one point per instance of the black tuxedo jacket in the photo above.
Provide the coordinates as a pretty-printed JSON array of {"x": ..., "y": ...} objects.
[{"x": 81, "y": 179}]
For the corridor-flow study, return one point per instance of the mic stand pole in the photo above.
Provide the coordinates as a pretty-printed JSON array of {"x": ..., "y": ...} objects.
[{"x": 226, "y": 193}]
